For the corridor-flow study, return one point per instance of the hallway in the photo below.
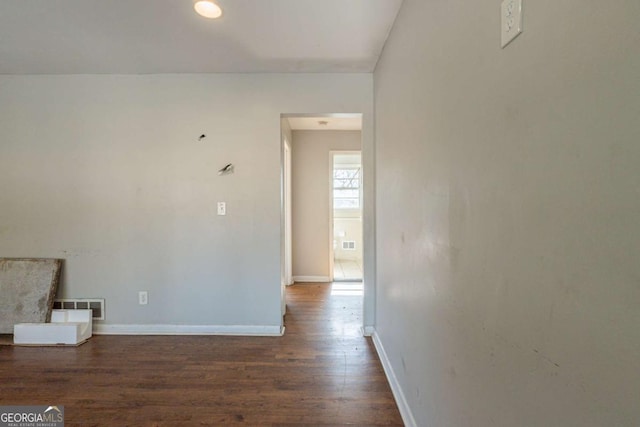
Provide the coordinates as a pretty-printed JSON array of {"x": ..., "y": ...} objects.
[{"x": 321, "y": 372}]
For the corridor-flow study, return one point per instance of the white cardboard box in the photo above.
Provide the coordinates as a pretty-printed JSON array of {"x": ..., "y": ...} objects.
[{"x": 69, "y": 327}]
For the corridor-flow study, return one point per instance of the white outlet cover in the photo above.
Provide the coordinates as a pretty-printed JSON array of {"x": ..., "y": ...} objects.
[
  {"x": 143, "y": 298},
  {"x": 510, "y": 20}
]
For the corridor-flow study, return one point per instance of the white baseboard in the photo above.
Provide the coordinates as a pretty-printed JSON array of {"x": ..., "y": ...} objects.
[
  {"x": 401, "y": 401},
  {"x": 367, "y": 331},
  {"x": 311, "y": 279},
  {"x": 241, "y": 330}
]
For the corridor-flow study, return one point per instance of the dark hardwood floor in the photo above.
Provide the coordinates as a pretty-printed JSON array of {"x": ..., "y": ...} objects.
[{"x": 321, "y": 372}]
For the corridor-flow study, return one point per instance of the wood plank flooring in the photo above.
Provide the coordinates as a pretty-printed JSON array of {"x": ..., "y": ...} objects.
[{"x": 321, "y": 372}]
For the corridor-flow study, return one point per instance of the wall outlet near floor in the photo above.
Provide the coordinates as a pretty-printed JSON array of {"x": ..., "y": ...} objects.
[{"x": 143, "y": 297}]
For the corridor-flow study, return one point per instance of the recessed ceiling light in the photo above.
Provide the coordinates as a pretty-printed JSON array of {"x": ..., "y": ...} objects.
[{"x": 208, "y": 9}]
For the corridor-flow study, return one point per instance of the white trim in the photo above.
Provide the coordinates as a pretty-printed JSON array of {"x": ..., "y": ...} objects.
[
  {"x": 253, "y": 330},
  {"x": 311, "y": 279},
  {"x": 323, "y": 115},
  {"x": 368, "y": 331},
  {"x": 401, "y": 401}
]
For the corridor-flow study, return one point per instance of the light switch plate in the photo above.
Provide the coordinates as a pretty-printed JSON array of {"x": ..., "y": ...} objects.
[
  {"x": 222, "y": 208},
  {"x": 511, "y": 20}
]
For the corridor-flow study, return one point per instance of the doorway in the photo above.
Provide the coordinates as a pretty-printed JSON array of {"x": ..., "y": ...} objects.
[
  {"x": 346, "y": 215},
  {"x": 310, "y": 238}
]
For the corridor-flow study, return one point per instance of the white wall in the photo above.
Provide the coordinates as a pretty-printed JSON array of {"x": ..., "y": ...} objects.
[
  {"x": 311, "y": 191},
  {"x": 107, "y": 172},
  {"x": 508, "y": 207}
]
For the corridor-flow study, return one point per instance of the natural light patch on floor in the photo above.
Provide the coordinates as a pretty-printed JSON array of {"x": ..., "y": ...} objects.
[
  {"x": 347, "y": 269},
  {"x": 347, "y": 289}
]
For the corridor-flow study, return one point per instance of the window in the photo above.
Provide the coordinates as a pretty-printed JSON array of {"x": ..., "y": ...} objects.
[{"x": 346, "y": 187}]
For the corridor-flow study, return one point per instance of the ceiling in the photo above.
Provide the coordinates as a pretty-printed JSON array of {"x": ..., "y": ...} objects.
[
  {"x": 167, "y": 36},
  {"x": 326, "y": 122}
]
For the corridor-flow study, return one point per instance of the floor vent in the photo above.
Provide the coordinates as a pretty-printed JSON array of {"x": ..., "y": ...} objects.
[
  {"x": 95, "y": 304},
  {"x": 349, "y": 245}
]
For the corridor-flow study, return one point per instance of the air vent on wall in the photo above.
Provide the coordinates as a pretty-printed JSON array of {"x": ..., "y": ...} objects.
[
  {"x": 349, "y": 245},
  {"x": 95, "y": 304}
]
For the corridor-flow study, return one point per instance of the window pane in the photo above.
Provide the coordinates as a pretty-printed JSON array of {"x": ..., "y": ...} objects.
[
  {"x": 346, "y": 173},
  {"x": 346, "y": 183},
  {"x": 346, "y": 188}
]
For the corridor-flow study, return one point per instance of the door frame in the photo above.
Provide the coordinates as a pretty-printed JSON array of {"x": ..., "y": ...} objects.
[
  {"x": 288, "y": 230},
  {"x": 286, "y": 259},
  {"x": 367, "y": 146}
]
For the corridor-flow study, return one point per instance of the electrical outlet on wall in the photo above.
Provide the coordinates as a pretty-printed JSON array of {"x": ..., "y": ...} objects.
[
  {"x": 510, "y": 20},
  {"x": 143, "y": 298}
]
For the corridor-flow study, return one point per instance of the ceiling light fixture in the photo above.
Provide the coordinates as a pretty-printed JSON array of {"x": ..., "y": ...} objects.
[{"x": 208, "y": 9}]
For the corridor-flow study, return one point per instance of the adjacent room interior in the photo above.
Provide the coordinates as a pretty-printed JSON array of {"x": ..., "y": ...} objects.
[
  {"x": 326, "y": 191},
  {"x": 152, "y": 151},
  {"x": 346, "y": 216}
]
